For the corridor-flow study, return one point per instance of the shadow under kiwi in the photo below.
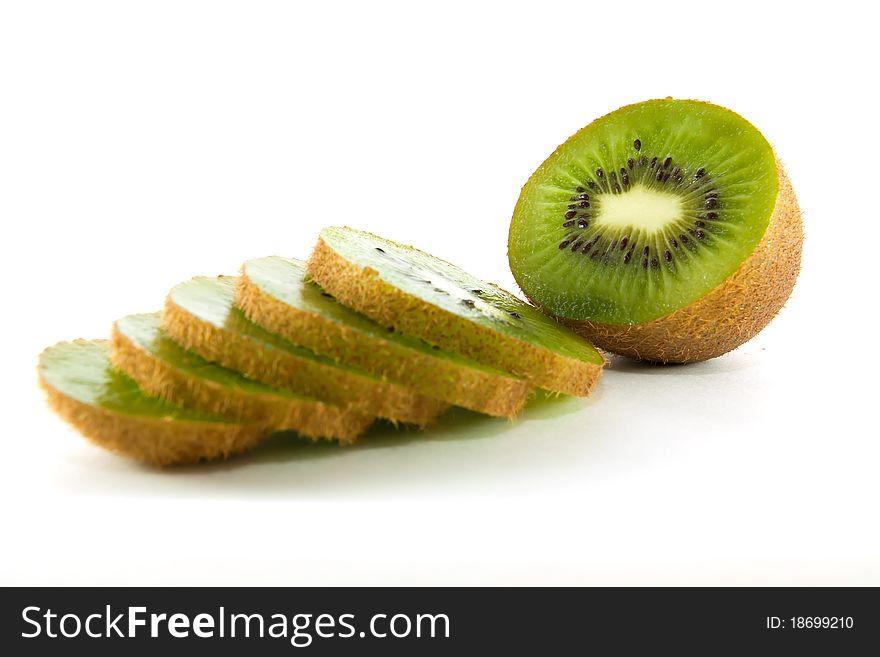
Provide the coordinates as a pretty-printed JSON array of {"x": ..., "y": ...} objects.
[
  {"x": 455, "y": 425},
  {"x": 726, "y": 363}
]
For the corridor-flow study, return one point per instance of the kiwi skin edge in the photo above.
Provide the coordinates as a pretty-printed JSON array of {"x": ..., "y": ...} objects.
[
  {"x": 154, "y": 441},
  {"x": 495, "y": 395},
  {"x": 398, "y": 404},
  {"x": 364, "y": 290},
  {"x": 730, "y": 314},
  {"x": 157, "y": 378}
]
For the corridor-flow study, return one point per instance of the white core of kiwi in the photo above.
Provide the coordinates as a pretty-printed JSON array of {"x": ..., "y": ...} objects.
[{"x": 640, "y": 208}]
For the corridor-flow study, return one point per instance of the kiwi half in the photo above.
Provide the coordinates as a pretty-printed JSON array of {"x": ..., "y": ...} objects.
[
  {"x": 109, "y": 409},
  {"x": 200, "y": 316},
  {"x": 272, "y": 292},
  {"x": 163, "y": 369},
  {"x": 665, "y": 231},
  {"x": 423, "y": 296}
]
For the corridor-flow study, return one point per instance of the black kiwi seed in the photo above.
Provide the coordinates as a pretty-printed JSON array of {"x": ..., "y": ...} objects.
[
  {"x": 584, "y": 204},
  {"x": 700, "y": 173},
  {"x": 653, "y": 162},
  {"x": 580, "y": 189},
  {"x": 583, "y": 197},
  {"x": 712, "y": 194},
  {"x": 380, "y": 250},
  {"x": 637, "y": 144},
  {"x": 468, "y": 302},
  {"x": 592, "y": 185},
  {"x": 576, "y": 245},
  {"x": 683, "y": 238},
  {"x": 643, "y": 161},
  {"x": 514, "y": 314},
  {"x": 699, "y": 224},
  {"x": 711, "y": 202},
  {"x": 667, "y": 162},
  {"x": 572, "y": 206},
  {"x": 477, "y": 291},
  {"x": 624, "y": 177},
  {"x": 644, "y": 263},
  {"x": 568, "y": 224},
  {"x": 646, "y": 251},
  {"x": 630, "y": 163},
  {"x": 599, "y": 172},
  {"x": 570, "y": 214},
  {"x": 563, "y": 244},
  {"x": 627, "y": 256},
  {"x": 699, "y": 234},
  {"x": 667, "y": 255},
  {"x": 583, "y": 223},
  {"x": 623, "y": 243},
  {"x": 659, "y": 175},
  {"x": 711, "y": 215},
  {"x": 613, "y": 178},
  {"x": 654, "y": 262},
  {"x": 674, "y": 243}
]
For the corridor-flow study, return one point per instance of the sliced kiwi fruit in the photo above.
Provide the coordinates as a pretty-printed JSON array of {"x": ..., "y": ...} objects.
[
  {"x": 420, "y": 295},
  {"x": 666, "y": 230},
  {"x": 161, "y": 368},
  {"x": 272, "y": 292},
  {"x": 109, "y": 409},
  {"x": 200, "y": 315}
]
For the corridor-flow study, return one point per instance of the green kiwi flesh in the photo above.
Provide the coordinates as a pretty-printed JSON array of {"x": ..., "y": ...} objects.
[
  {"x": 162, "y": 368},
  {"x": 272, "y": 292},
  {"x": 200, "y": 315},
  {"x": 418, "y": 294},
  {"x": 642, "y": 212},
  {"x": 109, "y": 409}
]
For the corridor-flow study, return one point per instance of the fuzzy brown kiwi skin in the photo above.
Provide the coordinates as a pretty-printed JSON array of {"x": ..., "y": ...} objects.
[
  {"x": 730, "y": 314},
  {"x": 156, "y": 442},
  {"x": 362, "y": 289},
  {"x": 393, "y": 402},
  {"x": 495, "y": 395},
  {"x": 159, "y": 379}
]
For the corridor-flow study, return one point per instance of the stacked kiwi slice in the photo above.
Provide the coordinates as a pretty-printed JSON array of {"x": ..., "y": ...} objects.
[
  {"x": 665, "y": 231},
  {"x": 232, "y": 360}
]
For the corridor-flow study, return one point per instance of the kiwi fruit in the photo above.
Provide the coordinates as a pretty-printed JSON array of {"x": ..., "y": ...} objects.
[
  {"x": 272, "y": 292},
  {"x": 109, "y": 409},
  {"x": 665, "y": 231},
  {"x": 161, "y": 368},
  {"x": 420, "y": 295},
  {"x": 200, "y": 315}
]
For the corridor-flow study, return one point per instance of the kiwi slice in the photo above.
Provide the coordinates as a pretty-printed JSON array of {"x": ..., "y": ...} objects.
[
  {"x": 108, "y": 408},
  {"x": 161, "y": 368},
  {"x": 200, "y": 315},
  {"x": 666, "y": 230},
  {"x": 273, "y": 293},
  {"x": 420, "y": 295}
]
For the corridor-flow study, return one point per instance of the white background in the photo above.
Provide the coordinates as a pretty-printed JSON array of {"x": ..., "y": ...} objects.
[{"x": 143, "y": 143}]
